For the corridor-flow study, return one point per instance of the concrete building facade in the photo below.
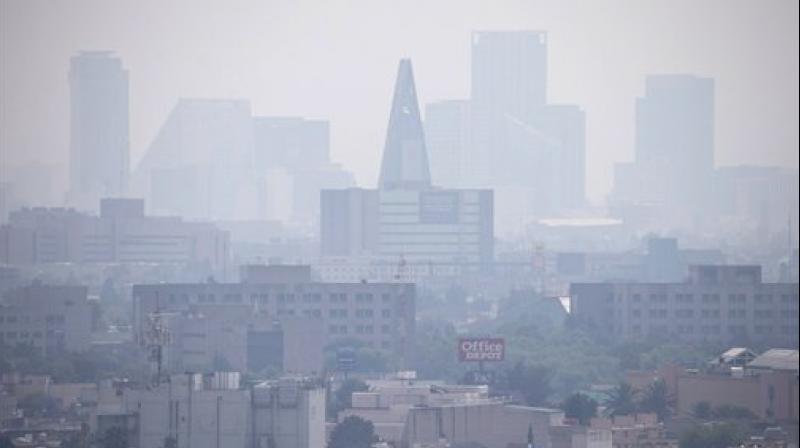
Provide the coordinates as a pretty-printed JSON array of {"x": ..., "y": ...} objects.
[
  {"x": 210, "y": 411},
  {"x": 120, "y": 234},
  {"x": 724, "y": 304},
  {"x": 47, "y": 318},
  {"x": 407, "y": 218},
  {"x": 379, "y": 315},
  {"x": 99, "y": 128}
]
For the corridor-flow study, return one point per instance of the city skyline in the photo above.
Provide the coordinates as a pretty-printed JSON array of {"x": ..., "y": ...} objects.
[{"x": 356, "y": 133}]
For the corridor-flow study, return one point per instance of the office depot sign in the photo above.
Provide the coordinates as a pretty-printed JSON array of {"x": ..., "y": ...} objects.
[{"x": 481, "y": 349}]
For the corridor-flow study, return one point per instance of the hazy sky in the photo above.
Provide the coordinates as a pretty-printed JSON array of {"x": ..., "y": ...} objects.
[{"x": 336, "y": 59}]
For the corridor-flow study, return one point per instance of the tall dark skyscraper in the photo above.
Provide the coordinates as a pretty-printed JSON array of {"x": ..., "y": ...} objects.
[
  {"x": 99, "y": 153},
  {"x": 405, "y": 159}
]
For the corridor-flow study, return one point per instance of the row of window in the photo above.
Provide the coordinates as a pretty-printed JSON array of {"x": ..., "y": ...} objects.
[
  {"x": 50, "y": 319},
  {"x": 26, "y": 334},
  {"x": 712, "y": 298},
  {"x": 734, "y": 313},
  {"x": 358, "y": 329},
  {"x": 279, "y": 298},
  {"x": 716, "y": 329}
]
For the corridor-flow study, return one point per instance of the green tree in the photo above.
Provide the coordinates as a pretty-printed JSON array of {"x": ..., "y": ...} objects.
[
  {"x": 713, "y": 436},
  {"x": 727, "y": 411},
  {"x": 702, "y": 410},
  {"x": 343, "y": 397},
  {"x": 581, "y": 407},
  {"x": 622, "y": 400},
  {"x": 5, "y": 442},
  {"x": 655, "y": 399},
  {"x": 532, "y": 382},
  {"x": 435, "y": 354},
  {"x": 353, "y": 432}
]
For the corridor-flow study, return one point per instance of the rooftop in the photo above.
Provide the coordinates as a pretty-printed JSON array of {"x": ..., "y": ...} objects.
[{"x": 776, "y": 359}]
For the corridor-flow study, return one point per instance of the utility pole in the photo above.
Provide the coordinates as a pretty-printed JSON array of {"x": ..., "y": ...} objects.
[{"x": 219, "y": 402}]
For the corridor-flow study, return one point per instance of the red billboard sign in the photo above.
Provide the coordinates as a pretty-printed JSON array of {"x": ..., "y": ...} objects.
[{"x": 481, "y": 349}]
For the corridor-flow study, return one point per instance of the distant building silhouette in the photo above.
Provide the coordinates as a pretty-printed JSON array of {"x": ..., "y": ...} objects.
[
  {"x": 407, "y": 218},
  {"x": 447, "y": 133},
  {"x": 291, "y": 142},
  {"x": 405, "y": 159},
  {"x": 674, "y": 145},
  {"x": 99, "y": 127},
  {"x": 200, "y": 164},
  {"x": 296, "y": 150},
  {"x": 507, "y": 136},
  {"x": 122, "y": 233}
]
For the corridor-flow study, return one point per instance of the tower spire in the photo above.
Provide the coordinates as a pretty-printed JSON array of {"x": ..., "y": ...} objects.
[{"x": 405, "y": 158}]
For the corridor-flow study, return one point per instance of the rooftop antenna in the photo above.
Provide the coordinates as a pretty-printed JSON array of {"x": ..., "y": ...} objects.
[
  {"x": 156, "y": 337},
  {"x": 402, "y": 269}
]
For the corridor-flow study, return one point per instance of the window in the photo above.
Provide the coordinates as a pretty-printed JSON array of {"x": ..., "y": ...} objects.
[
  {"x": 337, "y": 298},
  {"x": 337, "y": 313},
  {"x": 364, "y": 313},
  {"x": 763, "y": 298},
  {"x": 386, "y": 314}
]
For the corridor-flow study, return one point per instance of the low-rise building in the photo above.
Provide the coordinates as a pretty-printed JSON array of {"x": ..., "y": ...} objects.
[
  {"x": 47, "y": 318},
  {"x": 121, "y": 233},
  {"x": 378, "y": 315},
  {"x": 411, "y": 413},
  {"x": 636, "y": 431},
  {"x": 213, "y": 410},
  {"x": 720, "y": 304}
]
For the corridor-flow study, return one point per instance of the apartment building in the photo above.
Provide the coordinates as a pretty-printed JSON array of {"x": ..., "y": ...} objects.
[
  {"x": 722, "y": 304},
  {"x": 122, "y": 233},
  {"x": 379, "y": 315},
  {"x": 47, "y": 318}
]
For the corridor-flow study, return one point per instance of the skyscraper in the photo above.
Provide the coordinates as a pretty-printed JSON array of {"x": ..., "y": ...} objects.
[
  {"x": 674, "y": 144},
  {"x": 406, "y": 218},
  {"x": 99, "y": 154},
  {"x": 531, "y": 152},
  {"x": 405, "y": 159},
  {"x": 447, "y": 135},
  {"x": 200, "y": 164},
  {"x": 509, "y": 80},
  {"x": 291, "y": 142},
  {"x": 298, "y": 147}
]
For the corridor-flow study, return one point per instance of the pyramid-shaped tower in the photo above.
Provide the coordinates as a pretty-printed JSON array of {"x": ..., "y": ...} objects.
[{"x": 405, "y": 159}]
